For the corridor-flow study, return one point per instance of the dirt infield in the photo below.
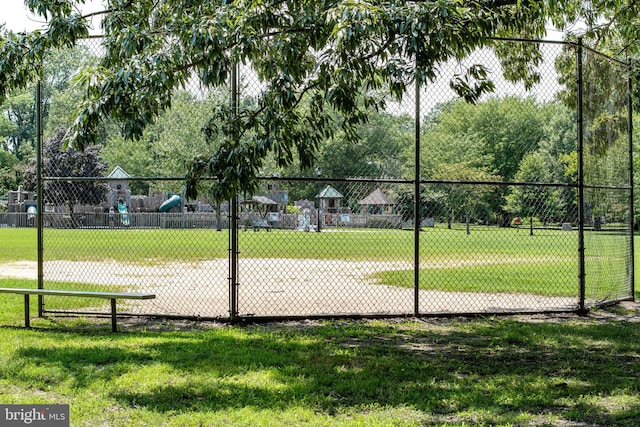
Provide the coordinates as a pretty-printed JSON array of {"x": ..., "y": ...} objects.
[{"x": 277, "y": 287}]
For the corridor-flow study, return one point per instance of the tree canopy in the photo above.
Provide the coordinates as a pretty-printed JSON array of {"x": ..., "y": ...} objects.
[
  {"x": 69, "y": 163},
  {"x": 322, "y": 63}
]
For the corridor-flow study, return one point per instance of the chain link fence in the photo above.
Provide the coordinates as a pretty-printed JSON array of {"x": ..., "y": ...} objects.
[
  {"x": 521, "y": 202},
  {"x": 607, "y": 176}
]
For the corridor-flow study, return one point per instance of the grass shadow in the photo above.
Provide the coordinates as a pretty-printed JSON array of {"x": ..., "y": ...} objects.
[{"x": 496, "y": 371}]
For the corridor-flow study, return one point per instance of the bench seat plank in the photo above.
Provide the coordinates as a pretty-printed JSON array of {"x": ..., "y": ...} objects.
[
  {"x": 89, "y": 294},
  {"x": 113, "y": 296}
]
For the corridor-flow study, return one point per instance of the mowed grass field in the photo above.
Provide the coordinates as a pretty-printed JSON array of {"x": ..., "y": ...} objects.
[
  {"x": 139, "y": 245},
  {"x": 504, "y": 371},
  {"x": 490, "y": 371},
  {"x": 488, "y": 259}
]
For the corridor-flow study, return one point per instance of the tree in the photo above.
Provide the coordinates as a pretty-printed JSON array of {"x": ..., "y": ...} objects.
[
  {"x": 58, "y": 162},
  {"x": 528, "y": 201},
  {"x": 18, "y": 123},
  {"x": 9, "y": 173},
  {"x": 559, "y": 137},
  {"x": 19, "y": 111},
  {"x": 498, "y": 135},
  {"x": 495, "y": 134},
  {"x": 467, "y": 198},
  {"x": 377, "y": 153},
  {"x": 6, "y": 130},
  {"x": 448, "y": 137},
  {"x": 166, "y": 145},
  {"x": 59, "y": 94},
  {"x": 432, "y": 204},
  {"x": 510, "y": 128},
  {"x": 311, "y": 56}
]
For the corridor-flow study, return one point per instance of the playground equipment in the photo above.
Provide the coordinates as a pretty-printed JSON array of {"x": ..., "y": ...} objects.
[
  {"x": 170, "y": 203},
  {"x": 124, "y": 217}
]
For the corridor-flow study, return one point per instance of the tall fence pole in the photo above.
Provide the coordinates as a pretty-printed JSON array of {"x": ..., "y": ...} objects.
[
  {"x": 233, "y": 259},
  {"x": 39, "y": 204},
  {"x": 631, "y": 186},
  {"x": 416, "y": 208},
  {"x": 580, "y": 124},
  {"x": 233, "y": 221}
]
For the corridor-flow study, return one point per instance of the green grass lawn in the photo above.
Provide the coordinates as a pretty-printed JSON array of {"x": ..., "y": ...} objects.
[
  {"x": 493, "y": 371},
  {"x": 488, "y": 259},
  {"x": 527, "y": 278},
  {"x": 18, "y": 244},
  {"x": 506, "y": 371},
  {"x": 139, "y": 245}
]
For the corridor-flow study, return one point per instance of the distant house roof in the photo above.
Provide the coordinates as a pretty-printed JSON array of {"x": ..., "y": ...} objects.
[
  {"x": 377, "y": 197},
  {"x": 118, "y": 173},
  {"x": 329, "y": 193}
]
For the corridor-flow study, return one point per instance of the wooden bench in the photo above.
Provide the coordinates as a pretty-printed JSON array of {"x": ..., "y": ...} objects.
[
  {"x": 257, "y": 224},
  {"x": 113, "y": 296}
]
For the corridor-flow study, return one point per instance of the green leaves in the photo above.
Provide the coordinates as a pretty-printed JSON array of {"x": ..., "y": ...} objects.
[
  {"x": 322, "y": 65},
  {"x": 473, "y": 84},
  {"x": 51, "y": 8}
]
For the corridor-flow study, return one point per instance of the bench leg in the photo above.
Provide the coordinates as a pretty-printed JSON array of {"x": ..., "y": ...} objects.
[
  {"x": 114, "y": 325},
  {"x": 27, "y": 323}
]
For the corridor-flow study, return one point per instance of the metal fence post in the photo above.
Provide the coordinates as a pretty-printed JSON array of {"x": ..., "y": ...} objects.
[
  {"x": 631, "y": 186},
  {"x": 580, "y": 124},
  {"x": 233, "y": 259},
  {"x": 233, "y": 222},
  {"x": 416, "y": 208},
  {"x": 39, "y": 204}
]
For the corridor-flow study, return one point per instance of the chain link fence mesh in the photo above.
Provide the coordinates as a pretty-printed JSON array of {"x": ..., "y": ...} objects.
[
  {"x": 607, "y": 179},
  {"x": 498, "y": 209}
]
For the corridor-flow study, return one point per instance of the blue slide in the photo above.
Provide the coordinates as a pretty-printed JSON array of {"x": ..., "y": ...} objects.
[
  {"x": 124, "y": 217},
  {"x": 171, "y": 202}
]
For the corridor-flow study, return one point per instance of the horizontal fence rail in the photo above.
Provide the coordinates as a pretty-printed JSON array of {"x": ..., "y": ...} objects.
[{"x": 519, "y": 203}]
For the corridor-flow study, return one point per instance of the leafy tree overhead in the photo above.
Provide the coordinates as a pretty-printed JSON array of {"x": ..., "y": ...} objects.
[
  {"x": 311, "y": 54},
  {"x": 312, "y": 57}
]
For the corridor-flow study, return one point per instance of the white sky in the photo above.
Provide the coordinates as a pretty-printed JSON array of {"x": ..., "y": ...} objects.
[{"x": 17, "y": 17}]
